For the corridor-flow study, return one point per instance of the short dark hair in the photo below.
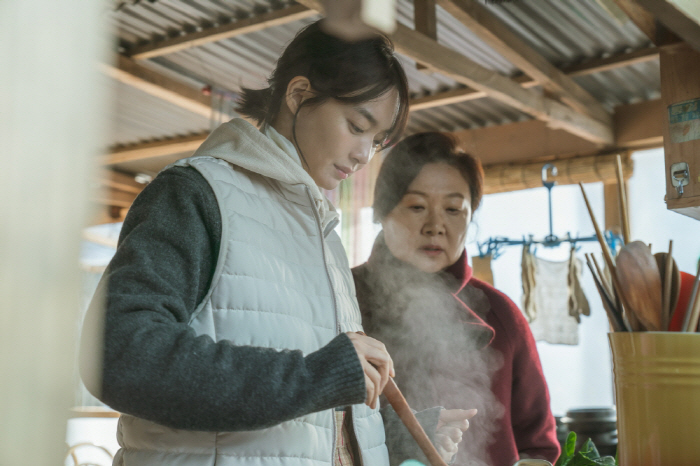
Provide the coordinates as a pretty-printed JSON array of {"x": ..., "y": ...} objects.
[
  {"x": 405, "y": 160},
  {"x": 350, "y": 72}
]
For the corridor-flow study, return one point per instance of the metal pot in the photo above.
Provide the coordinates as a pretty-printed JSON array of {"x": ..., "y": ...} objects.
[{"x": 597, "y": 424}]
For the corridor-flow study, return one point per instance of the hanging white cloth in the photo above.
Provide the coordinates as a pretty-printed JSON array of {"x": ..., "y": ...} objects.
[{"x": 554, "y": 298}]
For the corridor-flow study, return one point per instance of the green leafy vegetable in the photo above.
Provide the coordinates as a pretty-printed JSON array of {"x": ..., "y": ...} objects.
[{"x": 587, "y": 455}]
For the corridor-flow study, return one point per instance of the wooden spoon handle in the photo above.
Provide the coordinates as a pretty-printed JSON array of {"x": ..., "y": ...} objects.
[{"x": 398, "y": 402}]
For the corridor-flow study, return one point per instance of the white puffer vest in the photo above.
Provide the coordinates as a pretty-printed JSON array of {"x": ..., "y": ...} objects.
[{"x": 280, "y": 282}]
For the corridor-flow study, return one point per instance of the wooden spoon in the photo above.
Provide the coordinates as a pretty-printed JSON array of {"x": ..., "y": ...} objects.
[
  {"x": 671, "y": 285},
  {"x": 640, "y": 283},
  {"x": 398, "y": 402}
]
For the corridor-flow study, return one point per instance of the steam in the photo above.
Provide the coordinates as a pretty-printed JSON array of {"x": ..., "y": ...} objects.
[{"x": 439, "y": 360}]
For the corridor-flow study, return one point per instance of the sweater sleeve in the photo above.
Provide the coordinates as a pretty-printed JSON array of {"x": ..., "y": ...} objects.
[
  {"x": 534, "y": 427},
  {"x": 154, "y": 365}
]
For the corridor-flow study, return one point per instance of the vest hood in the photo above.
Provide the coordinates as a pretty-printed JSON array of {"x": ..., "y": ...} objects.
[{"x": 266, "y": 153}]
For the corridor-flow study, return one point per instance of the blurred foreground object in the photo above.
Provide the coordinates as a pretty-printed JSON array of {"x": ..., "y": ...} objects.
[
  {"x": 50, "y": 133},
  {"x": 359, "y": 19}
]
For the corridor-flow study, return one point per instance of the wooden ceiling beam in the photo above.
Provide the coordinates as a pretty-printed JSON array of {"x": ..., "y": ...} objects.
[
  {"x": 684, "y": 21},
  {"x": 152, "y": 149},
  {"x": 226, "y": 31},
  {"x": 500, "y": 37},
  {"x": 425, "y": 21},
  {"x": 119, "y": 181},
  {"x": 637, "y": 126},
  {"x": 597, "y": 65},
  {"x": 128, "y": 72},
  {"x": 461, "y": 69},
  {"x": 640, "y": 17},
  {"x": 424, "y": 17}
]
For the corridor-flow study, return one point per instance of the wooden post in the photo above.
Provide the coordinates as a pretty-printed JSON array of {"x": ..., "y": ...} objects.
[
  {"x": 50, "y": 133},
  {"x": 425, "y": 21},
  {"x": 680, "y": 93}
]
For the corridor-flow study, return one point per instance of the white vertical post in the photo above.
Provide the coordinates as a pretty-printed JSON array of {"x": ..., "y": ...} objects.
[{"x": 51, "y": 120}]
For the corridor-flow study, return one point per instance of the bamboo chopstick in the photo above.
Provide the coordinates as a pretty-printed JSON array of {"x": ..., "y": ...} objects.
[
  {"x": 615, "y": 321},
  {"x": 604, "y": 280},
  {"x": 601, "y": 238},
  {"x": 614, "y": 297},
  {"x": 622, "y": 198},
  {"x": 635, "y": 325}
]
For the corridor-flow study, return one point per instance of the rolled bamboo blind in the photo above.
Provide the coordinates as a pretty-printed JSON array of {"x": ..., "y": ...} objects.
[{"x": 590, "y": 169}]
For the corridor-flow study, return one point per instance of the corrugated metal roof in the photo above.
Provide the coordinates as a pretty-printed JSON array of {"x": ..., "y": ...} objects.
[
  {"x": 137, "y": 116},
  {"x": 563, "y": 31},
  {"x": 244, "y": 61}
]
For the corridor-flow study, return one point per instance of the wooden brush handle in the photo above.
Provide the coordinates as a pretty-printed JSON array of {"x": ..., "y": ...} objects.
[{"x": 398, "y": 402}]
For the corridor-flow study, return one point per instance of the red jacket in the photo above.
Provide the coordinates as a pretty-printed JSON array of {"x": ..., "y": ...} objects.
[{"x": 523, "y": 425}]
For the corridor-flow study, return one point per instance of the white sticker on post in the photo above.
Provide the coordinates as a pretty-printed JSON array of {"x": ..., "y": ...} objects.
[{"x": 684, "y": 120}]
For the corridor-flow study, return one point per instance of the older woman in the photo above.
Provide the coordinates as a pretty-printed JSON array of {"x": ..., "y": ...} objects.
[{"x": 455, "y": 341}]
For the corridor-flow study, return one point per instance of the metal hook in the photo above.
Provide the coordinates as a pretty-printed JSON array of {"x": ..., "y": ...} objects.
[{"x": 555, "y": 172}]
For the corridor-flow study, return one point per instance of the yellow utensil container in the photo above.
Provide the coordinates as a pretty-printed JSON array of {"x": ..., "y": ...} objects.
[{"x": 657, "y": 386}]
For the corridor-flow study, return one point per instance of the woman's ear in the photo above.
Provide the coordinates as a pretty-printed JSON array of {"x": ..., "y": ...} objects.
[{"x": 298, "y": 90}]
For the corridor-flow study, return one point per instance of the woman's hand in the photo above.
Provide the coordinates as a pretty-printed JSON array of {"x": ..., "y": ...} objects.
[
  {"x": 452, "y": 423},
  {"x": 376, "y": 363}
]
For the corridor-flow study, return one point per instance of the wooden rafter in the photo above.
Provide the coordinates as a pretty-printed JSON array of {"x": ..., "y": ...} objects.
[
  {"x": 424, "y": 17},
  {"x": 153, "y": 149},
  {"x": 425, "y": 21},
  {"x": 131, "y": 73},
  {"x": 590, "y": 67},
  {"x": 683, "y": 22},
  {"x": 226, "y": 31},
  {"x": 499, "y": 87},
  {"x": 640, "y": 17},
  {"x": 119, "y": 181},
  {"x": 640, "y": 125},
  {"x": 460, "y": 68},
  {"x": 637, "y": 126},
  {"x": 599, "y": 65},
  {"x": 499, "y": 36}
]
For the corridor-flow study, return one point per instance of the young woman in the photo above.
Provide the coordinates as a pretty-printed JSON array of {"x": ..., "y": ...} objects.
[
  {"x": 455, "y": 341},
  {"x": 231, "y": 318}
]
